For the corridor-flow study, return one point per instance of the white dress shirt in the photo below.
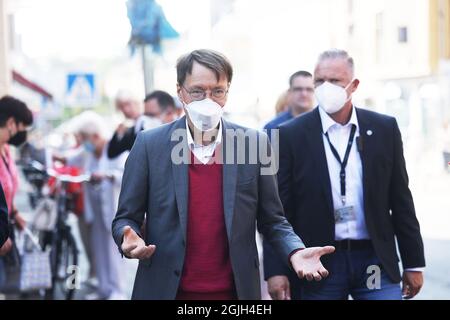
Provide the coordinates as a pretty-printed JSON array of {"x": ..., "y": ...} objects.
[
  {"x": 339, "y": 135},
  {"x": 201, "y": 152}
]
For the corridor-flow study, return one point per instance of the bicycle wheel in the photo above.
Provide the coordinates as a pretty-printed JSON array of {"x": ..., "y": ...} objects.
[{"x": 64, "y": 258}]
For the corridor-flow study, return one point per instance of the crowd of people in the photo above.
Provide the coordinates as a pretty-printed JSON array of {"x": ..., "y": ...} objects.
[
  {"x": 338, "y": 204},
  {"x": 96, "y": 153}
]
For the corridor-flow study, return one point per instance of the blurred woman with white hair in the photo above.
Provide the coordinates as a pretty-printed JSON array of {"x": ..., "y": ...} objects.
[{"x": 100, "y": 202}]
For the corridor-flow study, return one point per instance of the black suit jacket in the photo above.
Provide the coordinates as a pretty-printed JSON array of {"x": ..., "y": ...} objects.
[
  {"x": 305, "y": 191},
  {"x": 118, "y": 146},
  {"x": 4, "y": 228}
]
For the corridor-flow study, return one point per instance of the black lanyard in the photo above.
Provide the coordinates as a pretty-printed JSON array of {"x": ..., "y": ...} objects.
[{"x": 343, "y": 163}]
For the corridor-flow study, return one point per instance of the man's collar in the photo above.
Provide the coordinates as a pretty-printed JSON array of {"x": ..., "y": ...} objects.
[
  {"x": 190, "y": 139},
  {"x": 328, "y": 122}
]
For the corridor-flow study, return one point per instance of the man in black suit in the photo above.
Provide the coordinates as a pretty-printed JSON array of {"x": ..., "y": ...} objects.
[
  {"x": 159, "y": 108},
  {"x": 343, "y": 182}
]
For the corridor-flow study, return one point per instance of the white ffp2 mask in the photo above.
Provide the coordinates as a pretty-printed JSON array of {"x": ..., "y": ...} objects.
[
  {"x": 331, "y": 97},
  {"x": 204, "y": 114},
  {"x": 148, "y": 122}
]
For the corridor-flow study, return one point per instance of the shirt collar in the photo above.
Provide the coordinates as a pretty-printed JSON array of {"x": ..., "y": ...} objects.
[
  {"x": 190, "y": 139},
  {"x": 328, "y": 122}
]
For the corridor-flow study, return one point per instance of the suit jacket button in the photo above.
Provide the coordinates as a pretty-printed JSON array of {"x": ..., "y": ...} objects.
[{"x": 177, "y": 273}]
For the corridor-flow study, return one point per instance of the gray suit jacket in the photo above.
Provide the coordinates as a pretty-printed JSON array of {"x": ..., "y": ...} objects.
[{"x": 155, "y": 187}]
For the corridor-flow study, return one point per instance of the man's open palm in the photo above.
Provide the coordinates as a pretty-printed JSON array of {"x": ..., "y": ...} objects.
[
  {"x": 306, "y": 263},
  {"x": 134, "y": 246}
]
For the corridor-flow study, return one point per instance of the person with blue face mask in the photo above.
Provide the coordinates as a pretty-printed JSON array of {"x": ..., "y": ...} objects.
[
  {"x": 89, "y": 147},
  {"x": 100, "y": 197}
]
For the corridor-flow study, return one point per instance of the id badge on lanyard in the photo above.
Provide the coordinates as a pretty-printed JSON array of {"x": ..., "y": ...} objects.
[{"x": 346, "y": 213}]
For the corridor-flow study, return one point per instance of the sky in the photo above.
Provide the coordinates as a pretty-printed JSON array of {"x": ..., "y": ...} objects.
[{"x": 82, "y": 28}]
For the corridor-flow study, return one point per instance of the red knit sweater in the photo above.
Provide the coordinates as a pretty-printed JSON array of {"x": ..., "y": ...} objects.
[{"x": 207, "y": 273}]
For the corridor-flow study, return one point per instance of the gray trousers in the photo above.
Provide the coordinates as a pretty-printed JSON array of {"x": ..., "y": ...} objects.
[
  {"x": 85, "y": 230},
  {"x": 107, "y": 260}
]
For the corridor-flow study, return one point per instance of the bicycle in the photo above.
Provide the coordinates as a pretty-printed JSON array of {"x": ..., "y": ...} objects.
[{"x": 60, "y": 240}]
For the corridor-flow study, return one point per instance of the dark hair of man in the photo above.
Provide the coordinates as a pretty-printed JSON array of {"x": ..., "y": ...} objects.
[
  {"x": 210, "y": 59},
  {"x": 301, "y": 73},
  {"x": 165, "y": 100}
]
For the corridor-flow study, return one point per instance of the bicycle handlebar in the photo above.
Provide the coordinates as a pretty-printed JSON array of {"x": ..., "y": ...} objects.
[
  {"x": 68, "y": 178},
  {"x": 40, "y": 168}
]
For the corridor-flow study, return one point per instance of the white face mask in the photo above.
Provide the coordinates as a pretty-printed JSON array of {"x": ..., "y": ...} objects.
[
  {"x": 205, "y": 114},
  {"x": 146, "y": 122},
  {"x": 331, "y": 97}
]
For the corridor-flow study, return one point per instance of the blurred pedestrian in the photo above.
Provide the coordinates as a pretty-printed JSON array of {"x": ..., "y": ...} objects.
[
  {"x": 159, "y": 108},
  {"x": 100, "y": 203},
  {"x": 343, "y": 182},
  {"x": 160, "y": 105},
  {"x": 299, "y": 99},
  {"x": 131, "y": 108},
  {"x": 15, "y": 119},
  {"x": 282, "y": 104}
]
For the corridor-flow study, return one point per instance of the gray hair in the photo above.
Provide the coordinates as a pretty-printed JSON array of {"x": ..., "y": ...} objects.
[
  {"x": 125, "y": 96},
  {"x": 338, "y": 54},
  {"x": 89, "y": 123}
]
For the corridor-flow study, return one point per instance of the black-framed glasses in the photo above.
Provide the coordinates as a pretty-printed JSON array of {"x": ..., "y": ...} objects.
[{"x": 200, "y": 94}]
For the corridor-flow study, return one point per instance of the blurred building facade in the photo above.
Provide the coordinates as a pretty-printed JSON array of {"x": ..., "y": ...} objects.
[
  {"x": 402, "y": 48},
  {"x": 5, "y": 74}
]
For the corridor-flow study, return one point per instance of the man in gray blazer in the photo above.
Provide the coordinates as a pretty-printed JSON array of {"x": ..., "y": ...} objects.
[{"x": 202, "y": 185}]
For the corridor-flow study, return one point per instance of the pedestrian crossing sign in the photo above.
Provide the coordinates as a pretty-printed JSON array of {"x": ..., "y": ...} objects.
[{"x": 81, "y": 89}]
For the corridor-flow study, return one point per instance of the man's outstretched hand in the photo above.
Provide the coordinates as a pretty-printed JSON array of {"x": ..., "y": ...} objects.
[
  {"x": 306, "y": 263},
  {"x": 134, "y": 247}
]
